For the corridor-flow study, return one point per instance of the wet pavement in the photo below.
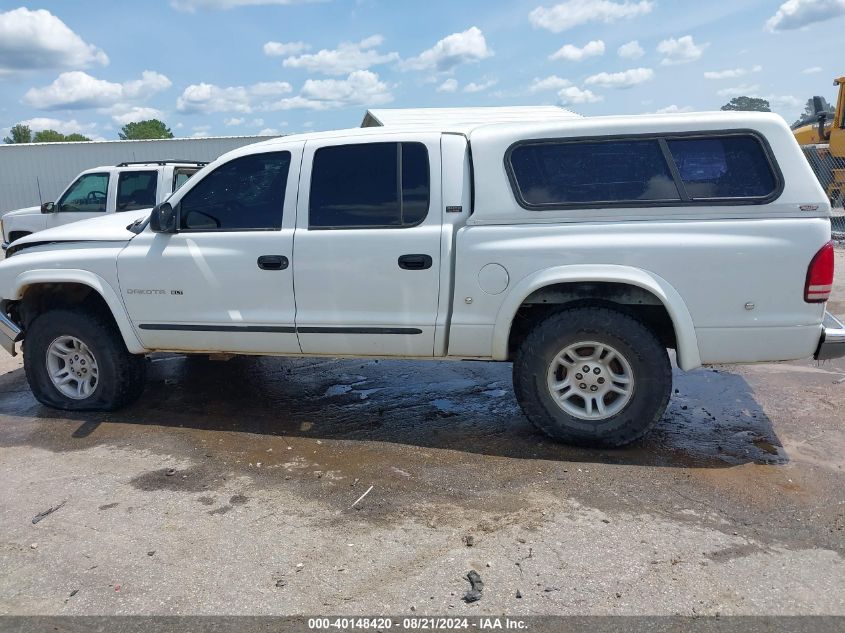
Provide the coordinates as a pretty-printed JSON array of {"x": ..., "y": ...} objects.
[{"x": 229, "y": 488}]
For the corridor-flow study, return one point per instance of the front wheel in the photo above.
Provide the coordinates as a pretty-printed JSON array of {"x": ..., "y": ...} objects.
[
  {"x": 77, "y": 361},
  {"x": 592, "y": 377}
]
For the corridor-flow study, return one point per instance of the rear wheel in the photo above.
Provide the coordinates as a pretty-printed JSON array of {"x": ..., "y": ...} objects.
[
  {"x": 77, "y": 361},
  {"x": 593, "y": 377}
]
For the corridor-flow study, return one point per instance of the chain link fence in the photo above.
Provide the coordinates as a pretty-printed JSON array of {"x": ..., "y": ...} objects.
[{"x": 830, "y": 170}]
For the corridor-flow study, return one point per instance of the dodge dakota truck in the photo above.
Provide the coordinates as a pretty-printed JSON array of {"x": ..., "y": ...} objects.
[
  {"x": 108, "y": 189},
  {"x": 582, "y": 251}
]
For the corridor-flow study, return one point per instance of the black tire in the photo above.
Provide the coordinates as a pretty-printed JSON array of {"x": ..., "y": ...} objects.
[
  {"x": 646, "y": 359},
  {"x": 121, "y": 375}
]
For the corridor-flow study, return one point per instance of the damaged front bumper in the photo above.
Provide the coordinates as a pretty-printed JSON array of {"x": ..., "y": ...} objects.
[
  {"x": 10, "y": 334},
  {"x": 832, "y": 343}
]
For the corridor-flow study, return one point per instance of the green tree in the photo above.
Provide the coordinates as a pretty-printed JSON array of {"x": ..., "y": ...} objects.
[
  {"x": 51, "y": 136},
  {"x": 19, "y": 133},
  {"x": 152, "y": 128},
  {"x": 810, "y": 115},
  {"x": 748, "y": 104}
]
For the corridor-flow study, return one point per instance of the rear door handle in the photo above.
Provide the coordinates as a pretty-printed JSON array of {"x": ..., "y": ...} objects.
[
  {"x": 273, "y": 262},
  {"x": 415, "y": 262}
]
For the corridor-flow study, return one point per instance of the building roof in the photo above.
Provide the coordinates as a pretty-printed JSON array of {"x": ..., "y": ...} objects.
[
  {"x": 463, "y": 116},
  {"x": 176, "y": 140}
]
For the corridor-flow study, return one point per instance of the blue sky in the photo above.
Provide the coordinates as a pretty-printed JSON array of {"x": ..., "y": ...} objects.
[{"x": 224, "y": 67}]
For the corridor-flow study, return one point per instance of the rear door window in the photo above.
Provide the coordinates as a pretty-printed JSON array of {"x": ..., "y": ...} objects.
[
  {"x": 591, "y": 173},
  {"x": 136, "y": 190},
  {"x": 723, "y": 167},
  {"x": 369, "y": 185}
]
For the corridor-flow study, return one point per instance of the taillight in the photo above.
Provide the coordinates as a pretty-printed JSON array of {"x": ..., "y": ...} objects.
[{"x": 820, "y": 276}]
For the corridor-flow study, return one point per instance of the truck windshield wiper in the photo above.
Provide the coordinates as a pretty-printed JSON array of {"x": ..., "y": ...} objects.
[{"x": 138, "y": 225}]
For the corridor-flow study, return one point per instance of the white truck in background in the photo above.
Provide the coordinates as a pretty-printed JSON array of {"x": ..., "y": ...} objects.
[
  {"x": 579, "y": 250},
  {"x": 127, "y": 186}
]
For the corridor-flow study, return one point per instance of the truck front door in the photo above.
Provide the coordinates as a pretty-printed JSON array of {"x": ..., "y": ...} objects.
[
  {"x": 223, "y": 282},
  {"x": 367, "y": 246}
]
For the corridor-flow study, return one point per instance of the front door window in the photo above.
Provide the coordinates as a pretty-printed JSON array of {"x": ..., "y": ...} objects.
[{"x": 87, "y": 195}]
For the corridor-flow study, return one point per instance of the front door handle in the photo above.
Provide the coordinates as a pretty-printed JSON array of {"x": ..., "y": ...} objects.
[
  {"x": 415, "y": 262},
  {"x": 273, "y": 262}
]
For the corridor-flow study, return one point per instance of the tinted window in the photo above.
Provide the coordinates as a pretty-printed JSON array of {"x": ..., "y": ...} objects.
[
  {"x": 245, "y": 193},
  {"x": 370, "y": 184},
  {"x": 136, "y": 190},
  {"x": 88, "y": 194},
  {"x": 415, "y": 183},
  {"x": 592, "y": 172},
  {"x": 726, "y": 167}
]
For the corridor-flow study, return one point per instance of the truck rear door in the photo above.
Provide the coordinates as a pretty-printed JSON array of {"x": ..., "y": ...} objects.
[{"x": 367, "y": 252}]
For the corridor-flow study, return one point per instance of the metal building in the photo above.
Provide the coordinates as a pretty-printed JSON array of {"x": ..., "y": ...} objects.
[{"x": 33, "y": 173}]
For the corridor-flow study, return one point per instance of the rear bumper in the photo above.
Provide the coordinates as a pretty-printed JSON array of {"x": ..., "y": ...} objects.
[
  {"x": 10, "y": 334},
  {"x": 832, "y": 343}
]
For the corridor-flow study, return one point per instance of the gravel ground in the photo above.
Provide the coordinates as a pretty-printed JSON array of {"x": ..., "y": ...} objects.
[{"x": 228, "y": 489}]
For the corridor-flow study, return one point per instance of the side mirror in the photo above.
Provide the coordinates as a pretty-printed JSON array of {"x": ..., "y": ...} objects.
[
  {"x": 163, "y": 218},
  {"x": 818, "y": 107},
  {"x": 48, "y": 207}
]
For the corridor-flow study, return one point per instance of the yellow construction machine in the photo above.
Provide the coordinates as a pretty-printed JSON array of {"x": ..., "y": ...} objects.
[{"x": 822, "y": 135}]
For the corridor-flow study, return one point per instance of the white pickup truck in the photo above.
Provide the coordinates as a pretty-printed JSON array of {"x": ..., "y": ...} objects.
[
  {"x": 107, "y": 189},
  {"x": 579, "y": 250}
]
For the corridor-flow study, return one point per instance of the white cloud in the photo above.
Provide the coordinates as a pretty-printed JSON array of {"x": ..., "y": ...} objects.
[
  {"x": 233, "y": 121},
  {"x": 674, "y": 109},
  {"x": 784, "y": 102},
  {"x": 680, "y": 51},
  {"x": 631, "y": 50},
  {"x": 200, "y": 131},
  {"x": 574, "y": 54},
  {"x": 624, "y": 79},
  {"x": 78, "y": 90},
  {"x": 572, "y": 13},
  {"x": 38, "y": 40},
  {"x": 205, "y": 98},
  {"x": 473, "y": 87},
  {"x": 732, "y": 73},
  {"x": 283, "y": 49},
  {"x": 453, "y": 50},
  {"x": 450, "y": 85},
  {"x": 794, "y": 14},
  {"x": 747, "y": 90},
  {"x": 812, "y": 70},
  {"x": 552, "y": 82},
  {"x": 270, "y": 88},
  {"x": 131, "y": 114},
  {"x": 64, "y": 127},
  {"x": 192, "y": 5},
  {"x": 574, "y": 95},
  {"x": 149, "y": 83},
  {"x": 269, "y": 131},
  {"x": 346, "y": 58},
  {"x": 362, "y": 87},
  {"x": 359, "y": 88}
]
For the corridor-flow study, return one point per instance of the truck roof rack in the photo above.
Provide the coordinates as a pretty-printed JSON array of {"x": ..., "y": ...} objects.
[{"x": 162, "y": 162}]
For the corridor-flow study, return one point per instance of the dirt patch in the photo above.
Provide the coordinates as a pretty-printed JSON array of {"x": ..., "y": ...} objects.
[{"x": 194, "y": 479}]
